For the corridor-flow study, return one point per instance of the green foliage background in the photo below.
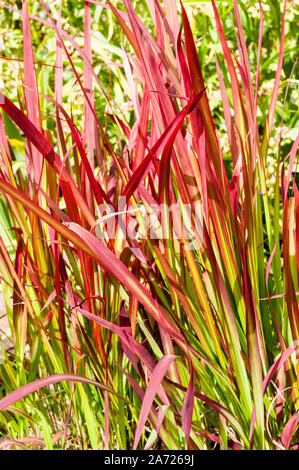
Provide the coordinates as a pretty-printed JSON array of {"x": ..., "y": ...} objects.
[{"x": 106, "y": 49}]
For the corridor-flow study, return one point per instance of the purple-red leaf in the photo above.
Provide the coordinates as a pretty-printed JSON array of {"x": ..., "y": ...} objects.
[
  {"x": 25, "y": 390},
  {"x": 151, "y": 391},
  {"x": 289, "y": 430},
  {"x": 187, "y": 409}
]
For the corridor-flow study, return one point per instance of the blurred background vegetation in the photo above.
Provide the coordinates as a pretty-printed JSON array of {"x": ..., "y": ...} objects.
[
  {"x": 108, "y": 45},
  {"x": 106, "y": 40}
]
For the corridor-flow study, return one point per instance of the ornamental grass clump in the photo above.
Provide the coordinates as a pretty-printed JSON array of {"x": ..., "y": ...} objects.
[{"x": 151, "y": 284}]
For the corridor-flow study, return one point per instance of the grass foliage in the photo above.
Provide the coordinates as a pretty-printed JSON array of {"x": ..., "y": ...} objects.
[{"x": 135, "y": 342}]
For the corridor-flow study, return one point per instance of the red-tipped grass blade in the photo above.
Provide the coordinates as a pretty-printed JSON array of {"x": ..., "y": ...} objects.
[{"x": 154, "y": 384}]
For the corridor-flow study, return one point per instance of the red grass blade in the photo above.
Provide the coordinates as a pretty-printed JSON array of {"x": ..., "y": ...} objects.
[
  {"x": 228, "y": 117},
  {"x": 89, "y": 122},
  {"x": 47, "y": 151},
  {"x": 198, "y": 85},
  {"x": 160, "y": 418},
  {"x": 235, "y": 87},
  {"x": 152, "y": 389},
  {"x": 274, "y": 95},
  {"x": 259, "y": 52},
  {"x": 296, "y": 195},
  {"x": 213, "y": 404},
  {"x": 272, "y": 371},
  {"x": 164, "y": 169},
  {"x": 187, "y": 409},
  {"x": 30, "y": 88},
  {"x": 289, "y": 430},
  {"x": 35, "y": 440},
  {"x": 162, "y": 143},
  {"x": 45, "y": 382},
  {"x": 270, "y": 301}
]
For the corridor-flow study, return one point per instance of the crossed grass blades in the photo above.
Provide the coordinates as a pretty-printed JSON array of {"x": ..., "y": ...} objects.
[{"x": 130, "y": 342}]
